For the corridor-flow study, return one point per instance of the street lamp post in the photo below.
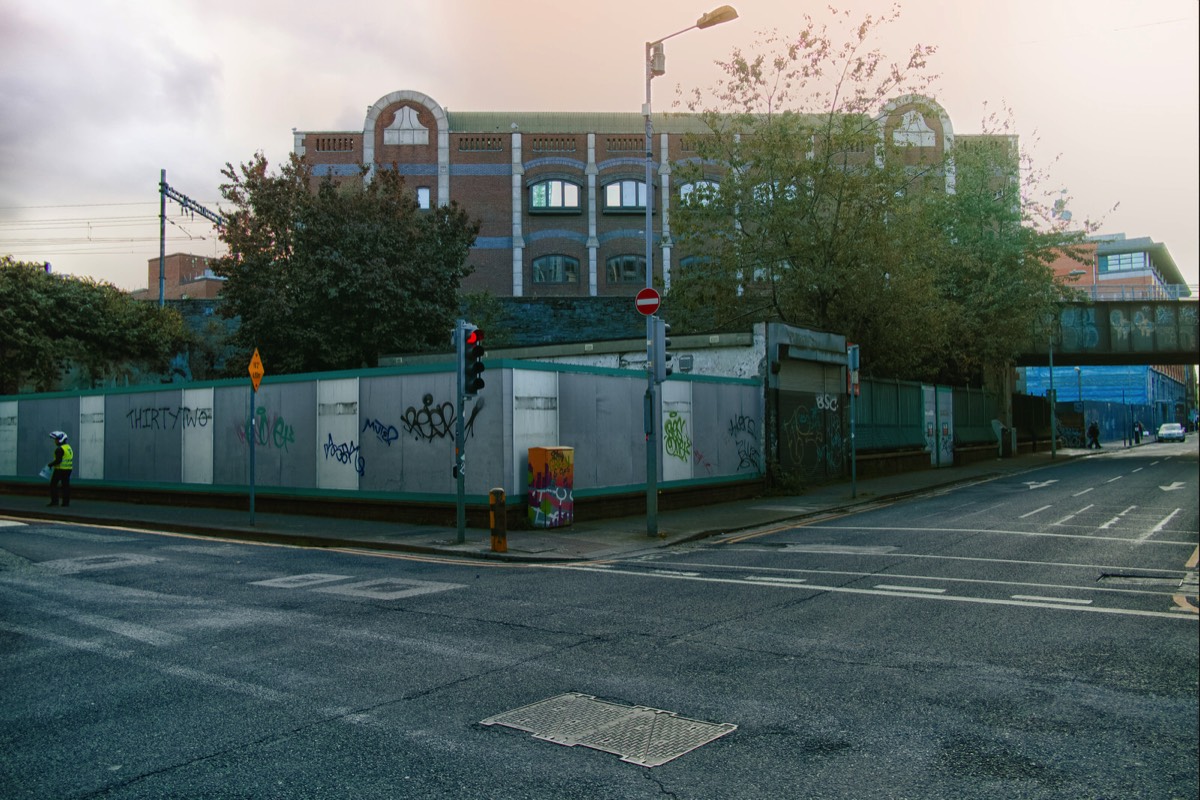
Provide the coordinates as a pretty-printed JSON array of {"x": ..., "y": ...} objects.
[
  {"x": 655, "y": 66},
  {"x": 1079, "y": 384}
]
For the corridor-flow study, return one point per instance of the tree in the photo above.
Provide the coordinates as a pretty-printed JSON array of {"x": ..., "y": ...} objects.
[
  {"x": 807, "y": 212},
  {"x": 336, "y": 276},
  {"x": 50, "y": 322}
]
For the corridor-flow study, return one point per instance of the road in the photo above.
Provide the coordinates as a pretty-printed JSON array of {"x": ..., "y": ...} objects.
[{"x": 1033, "y": 636}]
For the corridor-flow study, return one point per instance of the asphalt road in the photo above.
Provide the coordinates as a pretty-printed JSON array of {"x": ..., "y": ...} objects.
[{"x": 1024, "y": 637}]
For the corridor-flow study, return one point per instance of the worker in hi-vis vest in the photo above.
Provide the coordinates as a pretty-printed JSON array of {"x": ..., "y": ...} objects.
[{"x": 63, "y": 463}]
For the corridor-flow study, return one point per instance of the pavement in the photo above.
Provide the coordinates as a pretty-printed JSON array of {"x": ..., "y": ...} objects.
[{"x": 584, "y": 540}]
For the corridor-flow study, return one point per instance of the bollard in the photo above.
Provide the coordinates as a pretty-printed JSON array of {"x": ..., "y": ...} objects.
[{"x": 498, "y": 521}]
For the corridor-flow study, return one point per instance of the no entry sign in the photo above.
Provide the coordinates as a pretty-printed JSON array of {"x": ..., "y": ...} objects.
[{"x": 647, "y": 301}]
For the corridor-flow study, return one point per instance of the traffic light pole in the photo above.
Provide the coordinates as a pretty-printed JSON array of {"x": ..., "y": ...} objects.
[{"x": 459, "y": 430}]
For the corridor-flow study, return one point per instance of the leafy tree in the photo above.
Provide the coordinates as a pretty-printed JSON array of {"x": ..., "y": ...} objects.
[
  {"x": 335, "y": 276},
  {"x": 811, "y": 216},
  {"x": 50, "y": 322}
]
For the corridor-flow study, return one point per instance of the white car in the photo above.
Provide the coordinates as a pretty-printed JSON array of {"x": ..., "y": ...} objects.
[{"x": 1171, "y": 432}]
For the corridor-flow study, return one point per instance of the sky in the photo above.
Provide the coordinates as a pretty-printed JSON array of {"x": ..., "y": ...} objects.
[{"x": 98, "y": 96}]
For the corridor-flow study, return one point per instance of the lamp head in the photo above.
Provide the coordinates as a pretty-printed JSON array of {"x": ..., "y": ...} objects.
[{"x": 716, "y": 17}]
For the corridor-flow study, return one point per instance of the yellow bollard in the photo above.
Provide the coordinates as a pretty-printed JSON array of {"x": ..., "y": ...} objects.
[{"x": 498, "y": 521}]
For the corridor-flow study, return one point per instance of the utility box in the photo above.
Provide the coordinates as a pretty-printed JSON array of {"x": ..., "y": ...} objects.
[{"x": 551, "y": 486}]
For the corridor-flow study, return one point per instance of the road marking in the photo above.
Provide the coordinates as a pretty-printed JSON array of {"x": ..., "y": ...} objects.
[
  {"x": 1145, "y": 536},
  {"x": 1085, "y": 491},
  {"x": 923, "y": 589},
  {"x": 69, "y": 566},
  {"x": 11, "y": 523},
  {"x": 389, "y": 588},
  {"x": 1028, "y": 534},
  {"x": 1039, "y": 484},
  {"x": 1035, "y": 511},
  {"x": 1139, "y": 469},
  {"x": 773, "y": 579},
  {"x": 1194, "y": 560},
  {"x": 1039, "y": 599},
  {"x": 301, "y": 581},
  {"x": 1110, "y": 480},
  {"x": 1174, "y": 485},
  {"x": 989, "y": 601},
  {"x": 674, "y": 572},
  {"x": 1077, "y": 513}
]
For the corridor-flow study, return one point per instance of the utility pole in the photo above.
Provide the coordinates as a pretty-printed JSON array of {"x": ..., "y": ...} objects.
[{"x": 188, "y": 204}]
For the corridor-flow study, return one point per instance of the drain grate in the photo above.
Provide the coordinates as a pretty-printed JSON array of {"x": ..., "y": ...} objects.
[{"x": 645, "y": 736}]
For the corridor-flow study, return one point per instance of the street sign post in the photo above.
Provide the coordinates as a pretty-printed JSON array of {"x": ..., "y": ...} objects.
[
  {"x": 256, "y": 375},
  {"x": 647, "y": 301}
]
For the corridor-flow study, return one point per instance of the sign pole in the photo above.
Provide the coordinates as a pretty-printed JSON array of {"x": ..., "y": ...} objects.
[
  {"x": 256, "y": 374},
  {"x": 253, "y": 446},
  {"x": 460, "y": 478}
]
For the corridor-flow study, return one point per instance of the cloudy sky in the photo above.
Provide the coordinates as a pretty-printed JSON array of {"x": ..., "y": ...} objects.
[{"x": 100, "y": 95}]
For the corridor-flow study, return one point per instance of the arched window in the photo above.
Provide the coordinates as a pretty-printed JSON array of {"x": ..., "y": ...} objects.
[
  {"x": 700, "y": 192},
  {"x": 555, "y": 269},
  {"x": 625, "y": 195},
  {"x": 627, "y": 269},
  {"x": 554, "y": 195}
]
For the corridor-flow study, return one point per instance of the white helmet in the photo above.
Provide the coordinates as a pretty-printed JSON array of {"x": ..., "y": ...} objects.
[{"x": 58, "y": 436}]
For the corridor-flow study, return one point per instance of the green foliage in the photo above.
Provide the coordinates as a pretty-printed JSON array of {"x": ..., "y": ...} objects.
[
  {"x": 49, "y": 323},
  {"x": 336, "y": 276},
  {"x": 817, "y": 219}
]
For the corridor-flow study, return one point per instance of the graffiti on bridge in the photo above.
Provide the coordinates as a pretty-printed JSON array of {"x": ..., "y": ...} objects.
[
  {"x": 813, "y": 438},
  {"x": 744, "y": 432},
  {"x": 345, "y": 453},
  {"x": 436, "y": 420},
  {"x": 386, "y": 433},
  {"x": 675, "y": 436},
  {"x": 270, "y": 430},
  {"x": 167, "y": 418}
]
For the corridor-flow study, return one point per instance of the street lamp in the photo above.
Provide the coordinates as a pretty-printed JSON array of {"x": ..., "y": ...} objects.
[
  {"x": 1078, "y": 384},
  {"x": 656, "y": 65}
]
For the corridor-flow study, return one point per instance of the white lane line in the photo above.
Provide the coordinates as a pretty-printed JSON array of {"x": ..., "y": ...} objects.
[
  {"x": 773, "y": 579},
  {"x": 922, "y": 589},
  {"x": 1139, "y": 469},
  {"x": 1085, "y": 491},
  {"x": 1077, "y": 513},
  {"x": 987, "y": 601},
  {"x": 676, "y": 573},
  {"x": 1035, "y": 511},
  {"x": 989, "y": 531},
  {"x": 1145, "y": 536},
  {"x": 1039, "y": 599},
  {"x": 1110, "y": 480}
]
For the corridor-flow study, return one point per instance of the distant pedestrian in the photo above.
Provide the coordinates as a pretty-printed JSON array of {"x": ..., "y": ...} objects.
[
  {"x": 1137, "y": 433},
  {"x": 1093, "y": 435},
  {"x": 63, "y": 463}
]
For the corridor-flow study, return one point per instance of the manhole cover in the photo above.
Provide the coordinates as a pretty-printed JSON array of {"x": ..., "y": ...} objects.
[{"x": 645, "y": 736}]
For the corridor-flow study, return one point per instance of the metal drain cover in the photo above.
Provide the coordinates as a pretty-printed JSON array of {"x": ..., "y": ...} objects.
[{"x": 645, "y": 736}]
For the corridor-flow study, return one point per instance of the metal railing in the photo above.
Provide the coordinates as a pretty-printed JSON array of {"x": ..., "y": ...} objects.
[{"x": 1138, "y": 292}]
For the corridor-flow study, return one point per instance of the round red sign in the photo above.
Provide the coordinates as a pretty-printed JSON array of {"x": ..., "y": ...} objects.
[{"x": 647, "y": 301}]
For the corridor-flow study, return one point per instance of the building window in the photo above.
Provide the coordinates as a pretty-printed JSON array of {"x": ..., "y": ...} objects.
[
  {"x": 627, "y": 195},
  {"x": 1123, "y": 262},
  {"x": 554, "y": 195},
  {"x": 626, "y": 144},
  {"x": 423, "y": 198},
  {"x": 700, "y": 192},
  {"x": 481, "y": 144},
  {"x": 556, "y": 269},
  {"x": 627, "y": 269}
]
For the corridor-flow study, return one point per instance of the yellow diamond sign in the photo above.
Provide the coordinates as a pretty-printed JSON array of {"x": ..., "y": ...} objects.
[{"x": 256, "y": 369}]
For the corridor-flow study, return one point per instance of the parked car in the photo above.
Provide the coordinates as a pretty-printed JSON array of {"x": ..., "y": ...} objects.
[{"x": 1171, "y": 432}]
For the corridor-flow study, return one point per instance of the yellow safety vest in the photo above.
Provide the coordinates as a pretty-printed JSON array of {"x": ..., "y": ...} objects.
[{"x": 68, "y": 459}]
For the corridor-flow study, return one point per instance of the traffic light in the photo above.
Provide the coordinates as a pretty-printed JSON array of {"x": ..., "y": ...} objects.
[
  {"x": 473, "y": 353},
  {"x": 661, "y": 355}
]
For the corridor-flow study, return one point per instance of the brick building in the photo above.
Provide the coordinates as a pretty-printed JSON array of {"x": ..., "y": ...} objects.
[
  {"x": 560, "y": 196},
  {"x": 185, "y": 277}
]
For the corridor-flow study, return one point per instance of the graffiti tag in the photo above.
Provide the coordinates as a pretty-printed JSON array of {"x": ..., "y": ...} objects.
[
  {"x": 345, "y": 453},
  {"x": 168, "y": 418},
  {"x": 675, "y": 437}
]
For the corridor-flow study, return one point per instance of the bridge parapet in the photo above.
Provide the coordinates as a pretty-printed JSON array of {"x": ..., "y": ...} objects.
[{"x": 1134, "y": 331}]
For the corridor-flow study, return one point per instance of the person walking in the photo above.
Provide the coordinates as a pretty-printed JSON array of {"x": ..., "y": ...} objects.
[
  {"x": 63, "y": 463},
  {"x": 1093, "y": 436}
]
